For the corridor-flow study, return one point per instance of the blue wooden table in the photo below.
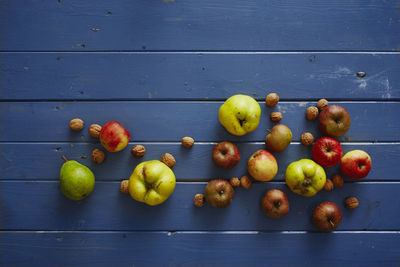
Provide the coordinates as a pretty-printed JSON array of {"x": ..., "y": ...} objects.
[{"x": 163, "y": 68}]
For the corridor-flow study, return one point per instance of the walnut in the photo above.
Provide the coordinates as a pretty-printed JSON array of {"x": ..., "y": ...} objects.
[
  {"x": 98, "y": 156},
  {"x": 245, "y": 181},
  {"x": 351, "y": 203},
  {"x": 272, "y": 99},
  {"x": 168, "y": 159},
  {"x": 276, "y": 116},
  {"x": 234, "y": 181},
  {"x": 124, "y": 186},
  {"x": 94, "y": 130},
  {"x": 187, "y": 141},
  {"x": 337, "y": 181},
  {"x": 198, "y": 200},
  {"x": 328, "y": 185},
  {"x": 322, "y": 103},
  {"x": 307, "y": 139},
  {"x": 76, "y": 124},
  {"x": 312, "y": 113},
  {"x": 138, "y": 151}
]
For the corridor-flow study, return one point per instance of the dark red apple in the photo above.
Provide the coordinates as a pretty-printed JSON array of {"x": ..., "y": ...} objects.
[
  {"x": 226, "y": 155},
  {"x": 334, "y": 120},
  {"x": 275, "y": 203},
  {"x": 219, "y": 193},
  {"x": 327, "y": 216},
  {"x": 356, "y": 164},
  {"x": 327, "y": 151}
]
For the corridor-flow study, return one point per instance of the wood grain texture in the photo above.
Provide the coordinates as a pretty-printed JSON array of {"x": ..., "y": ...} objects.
[
  {"x": 171, "y": 120},
  {"x": 199, "y": 249},
  {"x": 41, "y": 206},
  {"x": 20, "y": 160},
  {"x": 193, "y": 25},
  {"x": 163, "y": 76}
]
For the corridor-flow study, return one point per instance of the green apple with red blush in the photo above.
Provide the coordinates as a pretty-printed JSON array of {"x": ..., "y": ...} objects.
[{"x": 114, "y": 137}]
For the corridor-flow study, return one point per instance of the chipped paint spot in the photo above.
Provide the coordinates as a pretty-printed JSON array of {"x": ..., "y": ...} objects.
[
  {"x": 166, "y": 1},
  {"x": 149, "y": 95},
  {"x": 26, "y": 68},
  {"x": 302, "y": 104}
]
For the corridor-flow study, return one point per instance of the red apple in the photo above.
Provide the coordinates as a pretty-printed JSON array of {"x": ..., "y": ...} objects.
[
  {"x": 327, "y": 151},
  {"x": 334, "y": 120},
  {"x": 356, "y": 164},
  {"x": 219, "y": 193},
  {"x": 275, "y": 203},
  {"x": 327, "y": 216},
  {"x": 226, "y": 155},
  {"x": 262, "y": 166},
  {"x": 113, "y": 136}
]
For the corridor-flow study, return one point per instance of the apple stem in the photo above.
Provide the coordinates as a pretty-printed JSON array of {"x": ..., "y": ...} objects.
[
  {"x": 269, "y": 130},
  {"x": 64, "y": 158},
  {"x": 332, "y": 224}
]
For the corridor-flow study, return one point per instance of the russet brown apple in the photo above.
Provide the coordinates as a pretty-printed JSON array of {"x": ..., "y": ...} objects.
[
  {"x": 275, "y": 203},
  {"x": 327, "y": 216},
  {"x": 334, "y": 120},
  {"x": 219, "y": 193},
  {"x": 226, "y": 155}
]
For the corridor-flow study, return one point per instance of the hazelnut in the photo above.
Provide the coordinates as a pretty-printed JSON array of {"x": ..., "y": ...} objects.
[
  {"x": 312, "y": 113},
  {"x": 272, "y": 99},
  {"x": 351, "y": 203},
  {"x": 322, "y": 103},
  {"x": 98, "y": 156},
  {"x": 76, "y": 124},
  {"x": 337, "y": 181},
  {"x": 198, "y": 200},
  {"x": 328, "y": 185},
  {"x": 138, "y": 151},
  {"x": 234, "y": 181},
  {"x": 307, "y": 139},
  {"x": 245, "y": 181},
  {"x": 94, "y": 130},
  {"x": 276, "y": 116},
  {"x": 187, "y": 141},
  {"x": 168, "y": 159},
  {"x": 124, "y": 186}
]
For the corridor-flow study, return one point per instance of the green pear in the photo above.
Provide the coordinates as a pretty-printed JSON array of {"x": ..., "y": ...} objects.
[
  {"x": 279, "y": 138},
  {"x": 76, "y": 180}
]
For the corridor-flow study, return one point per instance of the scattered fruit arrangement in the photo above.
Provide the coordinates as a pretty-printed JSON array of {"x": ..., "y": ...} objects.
[{"x": 152, "y": 182}]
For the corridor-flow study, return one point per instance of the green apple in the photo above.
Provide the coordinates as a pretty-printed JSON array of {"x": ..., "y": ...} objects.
[
  {"x": 305, "y": 177},
  {"x": 76, "y": 180},
  {"x": 240, "y": 114},
  {"x": 152, "y": 182}
]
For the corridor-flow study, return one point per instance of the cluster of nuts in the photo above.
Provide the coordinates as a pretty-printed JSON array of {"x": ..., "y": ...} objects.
[
  {"x": 77, "y": 124},
  {"x": 271, "y": 100},
  {"x": 336, "y": 182},
  {"x": 245, "y": 182}
]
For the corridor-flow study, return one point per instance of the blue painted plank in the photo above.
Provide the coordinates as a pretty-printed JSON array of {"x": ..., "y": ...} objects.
[
  {"x": 143, "y": 76},
  {"x": 41, "y": 206},
  {"x": 19, "y": 160},
  {"x": 193, "y": 25},
  {"x": 171, "y": 120},
  {"x": 199, "y": 249}
]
